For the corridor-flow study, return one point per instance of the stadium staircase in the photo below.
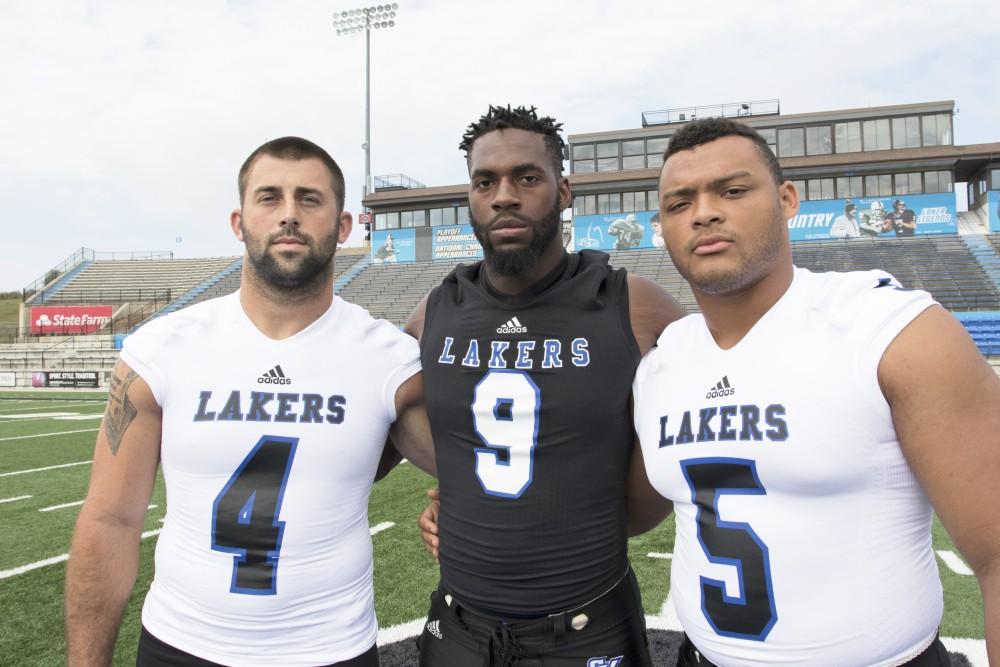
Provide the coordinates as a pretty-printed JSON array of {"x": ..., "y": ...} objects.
[
  {"x": 985, "y": 253},
  {"x": 195, "y": 294},
  {"x": 61, "y": 282},
  {"x": 350, "y": 273},
  {"x": 392, "y": 291}
]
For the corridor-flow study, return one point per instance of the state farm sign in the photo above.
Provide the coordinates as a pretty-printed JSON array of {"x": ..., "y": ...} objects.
[{"x": 69, "y": 319}]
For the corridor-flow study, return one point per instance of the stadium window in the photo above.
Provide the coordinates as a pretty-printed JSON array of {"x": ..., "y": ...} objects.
[
  {"x": 652, "y": 200},
  {"x": 820, "y": 188},
  {"x": 583, "y": 151},
  {"x": 931, "y": 184},
  {"x": 655, "y": 148},
  {"x": 436, "y": 217},
  {"x": 461, "y": 215},
  {"x": 615, "y": 202},
  {"x": 995, "y": 179},
  {"x": 654, "y": 161},
  {"x": 583, "y": 166},
  {"x": 628, "y": 202},
  {"x": 607, "y": 156},
  {"x": 876, "y": 134},
  {"x": 791, "y": 143},
  {"x": 603, "y": 204},
  {"x": 634, "y": 147},
  {"x": 380, "y": 221},
  {"x": 633, "y": 162},
  {"x": 801, "y": 187},
  {"x": 908, "y": 184},
  {"x": 937, "y": 129},
  {"x": 392, "y": 220},
  {"x": 847, "y": 137},
  {"x": 906, "y": 132},
  {"x": 850, "y": 187},
  {"x": 770, "y": 135},
  {"x": 578, "y": 205},
  {"x": 878, "y": 185},
  {"x": 818, "y": 140}
]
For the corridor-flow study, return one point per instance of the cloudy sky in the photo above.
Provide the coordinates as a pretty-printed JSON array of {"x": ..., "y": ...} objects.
[{"x": 123, "y": 123}]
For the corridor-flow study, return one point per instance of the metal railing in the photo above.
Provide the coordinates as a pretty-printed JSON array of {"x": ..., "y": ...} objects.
[
  {"x": 87, "y": 254},
  {"x": 396, "y": 182},
  {"x": 727, "y": 110},
  {"x": 99, "y": 295}
]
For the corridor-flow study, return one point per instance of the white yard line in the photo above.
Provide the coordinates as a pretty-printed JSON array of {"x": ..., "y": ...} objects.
[
  {"x": 10, "y": 500},
  {"x": 48, "y": 435},
  {"x": 25, "y": 472},
  {"x": 378, "y": 528},
  {"x": 62, "y": 558},
  {"x": 52, "y": 508},
  {"x": 659, "y": 555},
  {"x": 954, "y": 563},
  {"x": 4, "y": 413}
]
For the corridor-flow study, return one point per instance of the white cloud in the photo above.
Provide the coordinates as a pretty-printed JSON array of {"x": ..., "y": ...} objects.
[{"x": 124, "y": 123}]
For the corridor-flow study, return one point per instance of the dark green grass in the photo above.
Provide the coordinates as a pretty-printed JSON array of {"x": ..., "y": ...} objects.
[
  {"x": 31, "y": 629},
  {"x": 47, "y": 395}
]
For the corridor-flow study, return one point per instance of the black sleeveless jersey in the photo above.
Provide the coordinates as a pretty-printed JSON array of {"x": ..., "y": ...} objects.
[{"x": 528, "y": 399}]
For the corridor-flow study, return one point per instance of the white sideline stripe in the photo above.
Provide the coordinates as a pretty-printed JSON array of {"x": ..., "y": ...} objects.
[
  {"x": 79, "y": 417},
  {"x": 46, "y": 435},
  {"x": 5, "y": 574},
  {"x": 973, "y": 649},
  {"x": 660, "y": 555},
  {"x": 59, "y": 507},
  {"x": 10, "y": 500},
  {"x": 60, "y": 406},
  {"x": 954, "y": 563},
  {"x": 667, "y": 618},
  {"x": 37, "y": 415},
  {"x": 378, "y": 528},
  {"x": 61, "y": 465}
]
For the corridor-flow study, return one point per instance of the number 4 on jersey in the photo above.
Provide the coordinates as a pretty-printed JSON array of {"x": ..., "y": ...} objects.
[{"x": 245, "y": 515}]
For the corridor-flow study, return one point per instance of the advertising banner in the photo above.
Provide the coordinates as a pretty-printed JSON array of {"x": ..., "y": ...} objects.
[
  {"x": 393, "y": 245},
  {"x": 617, "y": 231},
  {"x": 69, "y": 319},
  {"x": 993, "y": 209},
  {"x": 455, "y": 242},
  {"x": 6, "y": 379},
  {"x": 65, "y": 379},
  {"x": 898, "y": 215}
]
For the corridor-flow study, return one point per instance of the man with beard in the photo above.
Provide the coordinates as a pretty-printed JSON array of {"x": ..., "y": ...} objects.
[
  {"x": 529, "y": 357},
  {"x": 269, "y": 409},
  {"x": 804, "y": 426}
]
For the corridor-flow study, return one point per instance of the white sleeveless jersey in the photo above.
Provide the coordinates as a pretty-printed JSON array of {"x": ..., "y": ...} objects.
[
  {"x": 803, "y": 538},
  {"x": 269, "y": 449}
]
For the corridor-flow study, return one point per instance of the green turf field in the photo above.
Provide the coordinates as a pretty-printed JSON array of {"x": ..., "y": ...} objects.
[{"x": 61, "y": 431}]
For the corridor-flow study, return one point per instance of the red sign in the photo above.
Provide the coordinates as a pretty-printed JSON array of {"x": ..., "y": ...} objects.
[
  {"x": 69, "y": 319},
  {"x": 365, "y": 218}
]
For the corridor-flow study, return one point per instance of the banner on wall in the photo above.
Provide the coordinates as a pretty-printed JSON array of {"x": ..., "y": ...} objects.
[
  {"x": 617, "y": 231},
  {"x": 993, "y": 209},
  {"x": 393, "y": 245},
  {"x": 900, "y": 215},
  {"x": 65, "y": 379},
  {"x": 455, "y": 242},
  {"x": 69, "y": 319},
  {"x": 7, "y": 379}
]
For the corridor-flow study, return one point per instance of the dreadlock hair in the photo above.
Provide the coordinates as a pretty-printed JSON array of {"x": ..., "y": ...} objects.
[
  {"x": 519, "y": 118},
  {"x": 704, "y": 130}
]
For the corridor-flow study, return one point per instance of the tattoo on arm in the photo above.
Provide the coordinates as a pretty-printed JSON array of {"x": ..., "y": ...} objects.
[{"x": 120, "y": 411}]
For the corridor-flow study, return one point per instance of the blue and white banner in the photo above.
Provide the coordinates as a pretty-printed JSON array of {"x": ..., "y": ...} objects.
[
  {"x": 901, "y": 215},
  {"x": 993, "y": 209},
  {"x": 455, "y": 242},
  {"x": 393, "y": 245},
  {"x": 617, "y": 231}
]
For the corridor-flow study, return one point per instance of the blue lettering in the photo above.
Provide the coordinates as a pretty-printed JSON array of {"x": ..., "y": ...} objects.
[
  {"x": 726, "y": 430},
  {"x": 335, "y": 408},
  {"x": 553, "y": 348},
  {"x": 285, "y": 406},
  {"x": 705, "y": 432},
  {"x": 581, "y": 355},
  {"x": 773, "y": 416},
  {"x": 665, "y": 440},
  {"x": 751, "y": 416},
  {"x": 446, "y": 356},
  {"x": 496, "y": 353},
  {"x": 231, "y": 410},
  {"x": 202, "y": 415},
  {"x": 524, "y": 349},
  {"x": 311, "y": 405},
  {"x": 257, "y": 413},
  {"x": 472, "y": 355},
  {"x": 685, "y": 435}
]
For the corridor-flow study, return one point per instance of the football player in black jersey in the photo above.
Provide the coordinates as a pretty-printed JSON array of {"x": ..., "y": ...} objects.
[{"x": 528, "y": 361}]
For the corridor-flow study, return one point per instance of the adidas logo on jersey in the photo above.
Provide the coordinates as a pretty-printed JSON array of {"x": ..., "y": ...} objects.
[
  {"x": 274, "y": 376},
  {"x": 434, "y": 627},
  {"x": 721, "y": 388},
  {"x": 513, "y": 325}
]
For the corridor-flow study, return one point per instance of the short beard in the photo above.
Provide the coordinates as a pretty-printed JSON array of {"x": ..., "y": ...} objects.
[
  {"x": 520, "y": 260},
  {"x": 304, "y": 279}
]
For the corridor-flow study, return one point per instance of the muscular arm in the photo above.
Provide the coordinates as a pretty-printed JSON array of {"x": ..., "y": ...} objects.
[
  {"x": 650, "y": 309},
  {"x": 945, "y": 402},
  {"x": 645, "y": 506},
  {"x": 411, "y": 432},
  {"x": 104, "y": 556}
]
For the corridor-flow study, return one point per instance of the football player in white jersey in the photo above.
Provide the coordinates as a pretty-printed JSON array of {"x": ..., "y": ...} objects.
[
  {"x": 804, "y": 426},
  {"x": 268, "y": 410}
]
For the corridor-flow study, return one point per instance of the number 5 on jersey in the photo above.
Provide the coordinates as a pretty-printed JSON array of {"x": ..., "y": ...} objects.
[
  {"x": 505, "y": 408},
  {"x": 245, "y": 515}
]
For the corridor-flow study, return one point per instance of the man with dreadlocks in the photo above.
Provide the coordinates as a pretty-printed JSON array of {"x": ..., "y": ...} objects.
[{"x": 528, "y": 361}]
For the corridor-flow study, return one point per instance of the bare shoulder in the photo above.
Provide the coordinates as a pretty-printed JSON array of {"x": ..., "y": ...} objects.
[
  {"x": 651, "y": 309},
  {"x": 415, "y": 323}
]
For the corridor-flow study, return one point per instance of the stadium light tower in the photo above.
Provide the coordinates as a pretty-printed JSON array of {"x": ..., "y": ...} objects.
[{"x": 348, "y": 22}]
